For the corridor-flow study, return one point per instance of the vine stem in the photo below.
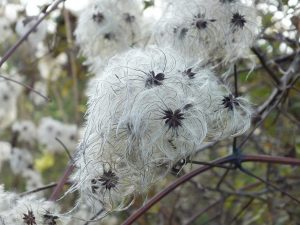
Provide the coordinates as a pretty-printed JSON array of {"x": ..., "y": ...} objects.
[
  {"x": 60, "y": 184},
  {"x": 188, "y": 176},
  {"x": 9, "y": 53},
  {"x": 26, "y": 86},
  {"x": 72, "y": 63}
]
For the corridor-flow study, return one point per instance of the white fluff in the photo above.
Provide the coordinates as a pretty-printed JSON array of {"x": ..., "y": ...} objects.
[
  {"x": 107, "y": 27},
  {"x": 149, "y": 109}
]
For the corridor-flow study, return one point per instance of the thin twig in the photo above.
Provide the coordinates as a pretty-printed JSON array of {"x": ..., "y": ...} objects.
[
  {"x": 240, "y": 193},
  {"x": 63, "y": 180},
  {"x": 9, "y": 53},
  {"x": 276, "y": 96},
  {"x": 265, "y": 66},
  {"x": 95, "y": 216},
  {"x": 229, "y": 159},
  {"x": 48, "y": 186},
  {"x": 222, "y": 179},
  {"x": 200, "y": 213},
  {"x": 269, "y": 184},
  {"x": 26, "y": 86},
  {"x": 209, "y": 164},
  {"x": 65, "y": 148},
  {"x": 241, "y": 211}
]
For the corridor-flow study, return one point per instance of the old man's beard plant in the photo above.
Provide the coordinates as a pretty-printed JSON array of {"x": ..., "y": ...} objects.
[{"x": 149, "y": 109}]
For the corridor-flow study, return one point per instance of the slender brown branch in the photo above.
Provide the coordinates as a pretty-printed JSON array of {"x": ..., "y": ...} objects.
[
  {"x": 276, "y": 96},
  {"x": 265, "y": 66},
  {"x": 222, "y": 179},
  {"x": 48, "y": 186},
  {"x": 209, "y": 164},
  {"x": 26, "y": 86},
  {"x": 48, "y": 10},
  {"x": 65, "y": 148},
  {"x": 63, "y": 180},
  {"x": 291, "y": 75},
  {"x": 95, "y": 216},
  {"x": 241, "y": 211},
  {"x": 200, "y": 213},
  {"x": 188, "y": 176},
  {"x": 269, "y": 184}
]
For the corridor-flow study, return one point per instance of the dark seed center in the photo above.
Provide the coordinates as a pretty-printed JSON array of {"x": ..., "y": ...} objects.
[
  {"x": 173, "y": 119},
  {"x": 109, "y": 180},
  {"x": 109, "y": 36},
  {"x": 189, "y": 73},
  {"x": 201, "y": 24},
  {"x": 29, "y": 218},
  {"x": 129, "y": 18},
  {"x": 154, "y": 79},
  {"x": 229, "y": 102},
  {"x": 238, "y": 20},
  {"x": 98, "y": 17}
]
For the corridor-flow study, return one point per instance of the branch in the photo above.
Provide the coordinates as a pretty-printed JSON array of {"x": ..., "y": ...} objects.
[
  {"x": 229, "y": 159},
  {"x": 291, "y": 75},
  {"x": 27, "y": 86},
  {"x": 286, "y": 82},
  {"x": 263, "y": 62},
  {"x": 194, "y": 217},
  {"x": 9, "y": 53},
  {"x": 63, "y": 180}
]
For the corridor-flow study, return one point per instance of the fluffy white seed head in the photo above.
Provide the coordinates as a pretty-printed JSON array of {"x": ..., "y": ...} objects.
[
  {"x": 107, "y": 27},
  {"x": 28, "y": 210},
  {"x": 216, "y": 31},
  {"x": 50, "y": 130},
  {"x": 20, "y": 160},
  {"x": 8, "y": 200},
  {"x": 26, "y": 130},
  {"x": 106, "y": 184},
  {"x": 42, "y": 88},
  {"x": 149, "y": 109},
  {"x": 9, "y": 93}
]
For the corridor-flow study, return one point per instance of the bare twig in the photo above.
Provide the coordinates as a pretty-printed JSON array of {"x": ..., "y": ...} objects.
[
  {"x": 241, "y": 211},
  {"x": 222, "y": 179},
  {"x": 65, "y": 148},
  {"x": 276, "y": 96},
  {"x": 48, "y": 186},
  {"x": 95, "y": 216},
  {"x": 48, "y": 10},
  {"x": 262, "y": 60},
  {"x": 200, "y": 213},
  {"x": 63, "y": 180},
  {"x": 269, "y": 184},
  {"x": 188, "y": 176},
  {"x": 26, "y": 86}
]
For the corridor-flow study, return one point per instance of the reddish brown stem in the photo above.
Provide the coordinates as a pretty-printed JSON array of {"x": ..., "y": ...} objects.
[
  {"x": 186, "y": 177},
  {"x": 271, "y": 159},
  {"x": 60, "y": 185}
]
